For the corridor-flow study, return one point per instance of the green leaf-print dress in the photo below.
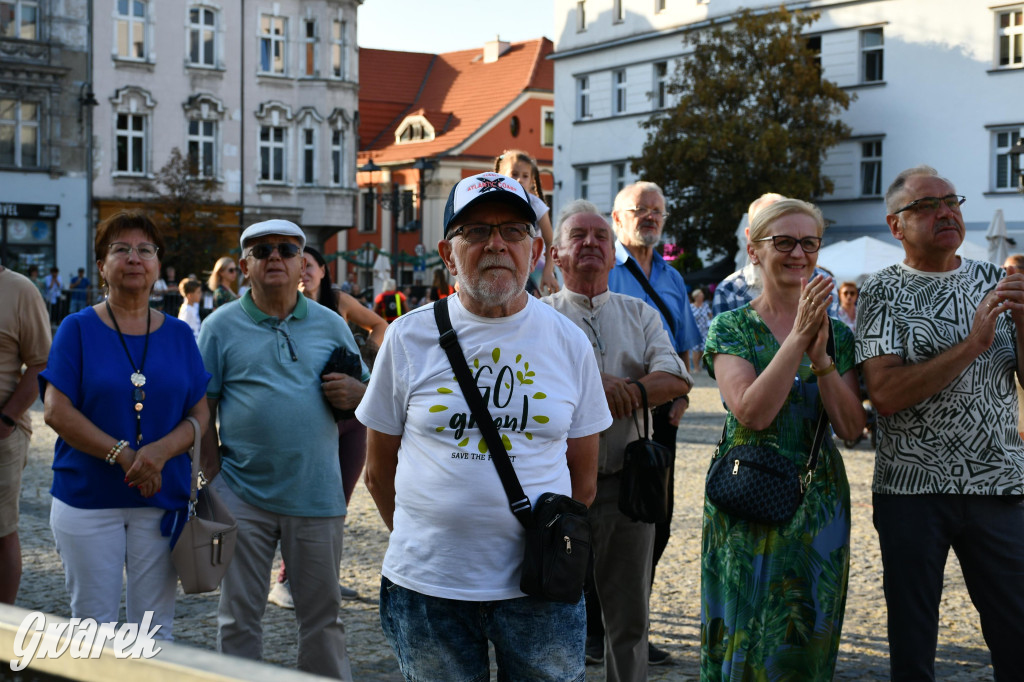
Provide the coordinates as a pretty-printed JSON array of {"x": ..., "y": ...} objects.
[{"x": 772, "y": 598}]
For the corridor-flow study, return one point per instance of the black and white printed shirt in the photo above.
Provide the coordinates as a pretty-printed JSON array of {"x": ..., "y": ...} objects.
[{"x": 963, "y": 439}]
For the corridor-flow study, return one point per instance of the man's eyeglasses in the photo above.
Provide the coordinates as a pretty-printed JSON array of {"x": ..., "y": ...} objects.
[
  {"x": 952, "y": 202},
  {"x": 642, "y": 212},
  {"x": 284, "y": 249},
  {"x": 474, "y": 233},
  {"x": 145, "y": 250},
  {"x": 786, "y": 244}
]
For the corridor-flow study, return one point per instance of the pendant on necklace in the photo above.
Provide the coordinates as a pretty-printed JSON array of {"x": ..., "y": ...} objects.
[{"x": 138, "y": 379}]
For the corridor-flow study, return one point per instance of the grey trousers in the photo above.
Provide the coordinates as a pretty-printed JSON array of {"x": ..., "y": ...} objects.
[
  {"x": 623, "y": 551},
  {"x": 311, "y": 547}
]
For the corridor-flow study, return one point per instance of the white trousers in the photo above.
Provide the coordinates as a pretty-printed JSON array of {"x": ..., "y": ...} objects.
[{"x": 99, "y": 547}]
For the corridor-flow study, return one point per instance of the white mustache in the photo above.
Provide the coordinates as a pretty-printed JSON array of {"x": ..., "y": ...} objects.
[{"x": 496, "y": 261}]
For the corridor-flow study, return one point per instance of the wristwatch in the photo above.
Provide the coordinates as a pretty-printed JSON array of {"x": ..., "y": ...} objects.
[{"x": 7, "y": 420}]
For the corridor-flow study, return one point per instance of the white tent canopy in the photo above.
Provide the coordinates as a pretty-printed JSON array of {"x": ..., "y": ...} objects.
[
  {"x": 973, "y": 251},
  {"x": 855, "y": 260}
]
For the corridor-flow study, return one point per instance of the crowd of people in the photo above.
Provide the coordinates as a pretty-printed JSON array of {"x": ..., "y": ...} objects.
[{"x": 935, "y": 342}]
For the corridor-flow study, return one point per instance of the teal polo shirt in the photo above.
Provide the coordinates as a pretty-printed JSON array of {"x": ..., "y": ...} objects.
[{"x": 279, "y": 440}]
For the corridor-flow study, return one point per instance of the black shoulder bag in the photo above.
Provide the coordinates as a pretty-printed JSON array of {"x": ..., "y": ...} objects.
[
  {"x": 647, "y": 485},
  {"x": 756, "y": 482},
  {"x": 557, "y": 531}
]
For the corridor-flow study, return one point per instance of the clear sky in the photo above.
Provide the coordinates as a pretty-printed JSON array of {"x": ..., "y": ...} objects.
[{"x": 448, "y": 25}]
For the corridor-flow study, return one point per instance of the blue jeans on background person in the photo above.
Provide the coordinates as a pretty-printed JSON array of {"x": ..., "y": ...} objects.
[
  {"x": 987, "y": 533},
  {"x": 446, "y": 639}
]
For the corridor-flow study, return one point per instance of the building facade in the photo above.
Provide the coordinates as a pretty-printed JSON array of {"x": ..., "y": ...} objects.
[
  {"x": 44, "y": 110},
  {"x": 262, "y": 96},
  {"x": 939, "y": 82},
  {"x": 426, "y": 122}
]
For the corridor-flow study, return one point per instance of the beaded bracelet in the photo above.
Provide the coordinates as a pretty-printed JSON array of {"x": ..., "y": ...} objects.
[{"x": 115, "y": 451}]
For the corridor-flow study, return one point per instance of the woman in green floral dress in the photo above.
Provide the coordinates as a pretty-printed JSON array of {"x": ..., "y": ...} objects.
[{"x": 772, "y": 597}]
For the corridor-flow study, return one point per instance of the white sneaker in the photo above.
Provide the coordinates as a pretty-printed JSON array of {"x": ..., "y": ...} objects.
[{"x": 281, "y": 596}]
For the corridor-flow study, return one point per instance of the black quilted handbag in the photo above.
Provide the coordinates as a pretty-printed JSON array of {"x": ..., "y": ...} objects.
[{"x": 755, "y": 483}]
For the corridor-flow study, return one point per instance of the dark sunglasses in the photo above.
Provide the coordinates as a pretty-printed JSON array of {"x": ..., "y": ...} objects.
[{"x": 284, "y": 249}]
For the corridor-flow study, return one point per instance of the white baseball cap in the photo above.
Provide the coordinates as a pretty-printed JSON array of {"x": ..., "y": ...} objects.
[
  {"x": 485, "y": 188},
  {"x": 276, "y": 226}
]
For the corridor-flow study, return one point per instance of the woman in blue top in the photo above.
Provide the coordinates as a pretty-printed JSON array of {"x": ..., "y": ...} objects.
[{"x": 119, "y": 383}]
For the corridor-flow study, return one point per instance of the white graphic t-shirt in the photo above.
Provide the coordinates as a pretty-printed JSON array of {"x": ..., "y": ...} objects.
[
  {"x": 454, "y": 535},
  {"x": 963, "y": 439}
]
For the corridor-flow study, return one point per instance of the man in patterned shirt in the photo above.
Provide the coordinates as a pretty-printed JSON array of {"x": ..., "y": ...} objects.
[{"x": 939, "y": 338}]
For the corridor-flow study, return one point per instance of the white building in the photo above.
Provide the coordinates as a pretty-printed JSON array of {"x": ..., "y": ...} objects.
[
  {"x": 939, "y": 82},
  {"x": 262, "y": 94}
]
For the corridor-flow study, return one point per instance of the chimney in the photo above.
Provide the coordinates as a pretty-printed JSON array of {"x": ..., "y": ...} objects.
[{"x": 494, "y": 49}]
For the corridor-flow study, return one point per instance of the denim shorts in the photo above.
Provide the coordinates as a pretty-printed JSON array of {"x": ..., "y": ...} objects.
[{"x": 446, "y": 639}]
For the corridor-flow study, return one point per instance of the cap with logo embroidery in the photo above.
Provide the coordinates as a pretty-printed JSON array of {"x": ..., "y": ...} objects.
[{"x": 487, "y": 188}]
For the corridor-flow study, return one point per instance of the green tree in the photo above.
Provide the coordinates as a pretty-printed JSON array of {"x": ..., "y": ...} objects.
[
  {"x": 184, "y": 205},
  {"x": 754, "y": 115}
]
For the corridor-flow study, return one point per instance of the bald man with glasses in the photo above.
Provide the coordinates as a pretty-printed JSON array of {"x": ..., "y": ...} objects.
[{"x": 940, "y": 340}]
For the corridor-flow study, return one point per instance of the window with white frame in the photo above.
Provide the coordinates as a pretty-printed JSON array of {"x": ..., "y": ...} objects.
[
  {"x": 547, "y": 126},
  {"x": 310, "y": 48},
  {"x": 1010, "y": 35},
  {"x": 583, "y": 97},
  {"x": 619, "y": 91},
  {"x": 338, "y": 158},
  {"x": 130, "y": 29},
  {"x": 618, "y": 12},
  {"x": 618, "y": 178},
  {"x": 583, "y": 183},
  {"x": 308, "y": 137},
  {"x": 581, "y": 15},
  {"x": 202, "y": 37},
  {"x": 660, "y": 85},
  {"x": 130, "y": 145},
  {"x": 19, "y": 19},
  {"x": 272, "y": 153},
  {"x": 1007, "y": 166},
  {"x": 20, "y": 144},
  {"x": 272, "y": 43},
  {"x": 871, "y": 168},
  {"x": 339, "y": 49},
  {"x": 872, "y": 44},
  {"x": 202, "y": 147}
]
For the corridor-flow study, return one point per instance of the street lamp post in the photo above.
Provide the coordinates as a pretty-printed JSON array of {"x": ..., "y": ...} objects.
[{"x": 394, "y": 202}]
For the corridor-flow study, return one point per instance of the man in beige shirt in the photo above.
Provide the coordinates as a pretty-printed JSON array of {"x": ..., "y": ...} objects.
[
  {"x": 631, "y": 347},
  {"x": 24, "y": 342}
]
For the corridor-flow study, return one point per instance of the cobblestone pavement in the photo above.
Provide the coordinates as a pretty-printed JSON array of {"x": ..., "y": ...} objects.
[{"x": 962, "y": 655}]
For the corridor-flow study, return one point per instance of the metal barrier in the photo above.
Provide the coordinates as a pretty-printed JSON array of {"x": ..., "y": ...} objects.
[{"x": 172, "y": 663}]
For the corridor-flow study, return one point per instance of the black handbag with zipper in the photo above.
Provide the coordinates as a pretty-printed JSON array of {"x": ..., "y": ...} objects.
[{"x": 647, "y": 481}]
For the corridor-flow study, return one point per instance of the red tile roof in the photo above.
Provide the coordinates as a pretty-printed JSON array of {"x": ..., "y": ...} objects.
[{"x": 455, "y": 91}]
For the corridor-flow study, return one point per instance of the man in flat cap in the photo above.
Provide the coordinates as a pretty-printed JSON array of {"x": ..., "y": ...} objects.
[
  {"x": 277, "y": 458},
  {"x": 450, "y": 579}
]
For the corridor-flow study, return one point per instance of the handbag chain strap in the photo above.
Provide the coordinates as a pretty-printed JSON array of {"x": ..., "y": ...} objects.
[
  {"x": 196, "y": 439},
  {"x": 518, "y": 502},
  {"x": 647, "y": 427},
  {"x": 822, "y": 425}
]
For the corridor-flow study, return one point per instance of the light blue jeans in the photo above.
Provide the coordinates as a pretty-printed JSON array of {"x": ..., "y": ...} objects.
[{"x": 446, "y": 639}]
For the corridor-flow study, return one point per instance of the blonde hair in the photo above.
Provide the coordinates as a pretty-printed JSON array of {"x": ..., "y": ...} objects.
[
  {"x": 214, "y": 280},
  {"x": 763, "y": 219}
]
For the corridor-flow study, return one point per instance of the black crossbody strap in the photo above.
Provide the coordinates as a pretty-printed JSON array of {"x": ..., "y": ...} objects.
[
  {"x": 646, "y": 435},
  {"x": 822, "y": 428},
  {"x": 518, "y": 502},
  {"x": 635, "y": 270}
]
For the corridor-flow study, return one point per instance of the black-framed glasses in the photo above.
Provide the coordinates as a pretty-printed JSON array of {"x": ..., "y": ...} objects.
[
  {"x": 474, "y": 233},
  {"x": 284, "y": 249},
  {"x": 785, "y": 244},
  {"x": 952, "y": 201},
  {"x": 642, "y": 212},
  {"x": 145, "y": 250}
]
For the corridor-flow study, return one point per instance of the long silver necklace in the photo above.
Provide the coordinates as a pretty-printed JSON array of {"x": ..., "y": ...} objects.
[{"x": 138, "y": 379}]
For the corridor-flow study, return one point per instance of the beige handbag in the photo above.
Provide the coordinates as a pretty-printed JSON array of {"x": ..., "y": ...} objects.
[{"x": 207, "y": 542}]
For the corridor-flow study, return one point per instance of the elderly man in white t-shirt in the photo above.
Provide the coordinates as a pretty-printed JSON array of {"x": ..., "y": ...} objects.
[{"x": 450, "y": 579}]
